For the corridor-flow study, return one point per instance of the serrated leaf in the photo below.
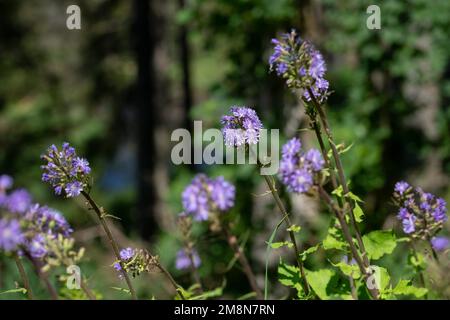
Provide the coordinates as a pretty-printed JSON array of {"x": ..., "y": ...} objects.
[
  {"x": 378, "y": 243},
  {"x": 404, "y": 287},
  {"x": 334, "y": 239},
  {"x": 351, "y": 270},
  {"x": 358, "y": 213},
  {"x": 318, "y": 280},
  {"x": 289, "y": 276}
]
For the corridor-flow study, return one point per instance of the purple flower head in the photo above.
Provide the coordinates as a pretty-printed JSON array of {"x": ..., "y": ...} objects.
[
  {"x": 422, "y": 214},
  {"x": 300, "y": 64},
  {"x": 222, "y": 193},
  {"x": 184, "y": 262},
  {"x": 6, "y": 182},
  {"x": 440, "y": 243},
  {"x": 11, "y": 236},
  {"x": 126, "y": 254},
  {"x": 36, "y": 246},
  {"x": 204, "y": 195},
  {"x": 65, "y": 171},
  {"x": 297, "y": 168},
  {"x": 18, "y": 201},
  {"x": 241, "y": 127},
  {"x": 314, "y": 157},
  {"x": 49, "y": 221}
]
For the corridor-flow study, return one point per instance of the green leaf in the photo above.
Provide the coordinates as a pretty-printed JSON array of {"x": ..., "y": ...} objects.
[
  {"x": 358, "y": 212},
  {"x": 18, "y": 290},
  {"x": 318, "y": 280},
  {"x": 290, "y": 276},
  {"x": 294, "y": 228},
  {"x": 405, "y": 288},
  {"x": 378, "y": 243},
  {"x": 354, "y": 197},
  {"x": 309, "y": 251},
  {"x": 416, "y": 260},
  {"x": 334, "y": 239},
  {"x": 276, "y": 245},
  {"x": 351, "y": 270},
  {"x": 339, "y": 191}
]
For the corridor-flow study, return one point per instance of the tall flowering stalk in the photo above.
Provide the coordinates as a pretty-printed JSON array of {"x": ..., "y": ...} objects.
[
  {"x": 303, "y": 68},
  {"x": 69, "y": 175},
  {"x": 188, "y": 257},
  {"x": 242, "y": 127},
  {"x": 208, "y": 199}
]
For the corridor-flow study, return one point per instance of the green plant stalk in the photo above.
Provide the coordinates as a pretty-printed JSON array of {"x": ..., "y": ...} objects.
[
  {"x": 101, "y": 217},
  {"x": 340, "y": 170},
  {"x": 172, "y": 280},
  {"x": 233, "y": 243},
  {"x": 285, "y": 215},
  {"x": 348, "y": 237},
  {"x": 421, "y": 276},
  {"x": 23, "y": 275},
  {"x": 44, "y": 277},
  {"x": 317, "y": 130},
  {"x": 87, "y": 290}
]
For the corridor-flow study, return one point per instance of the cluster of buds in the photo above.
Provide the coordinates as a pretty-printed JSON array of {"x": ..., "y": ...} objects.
[
  {"x": 135, "y": 262},
  {"x": 67, "y": 173},
  {"x": 300, "y": 64},
  {"x": 299, "y": 169},
  {"x": 204, "y": 196},
  {"x": 422, "y": 214}
]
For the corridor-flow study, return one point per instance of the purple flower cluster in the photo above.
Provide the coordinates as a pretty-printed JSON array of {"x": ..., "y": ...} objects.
[
  {"x": 205, "y": 195},
  {"x": 241, "y": 127},
  {"x": 422, "y": 214},
  {"x": 65, "y": 171},
  {"x": 184, "y": 262},
  {"x": 27, "y": 227},
  {"x": 11, "y": 235},
  {"x": 302, "y": 66},
  {"x": 298, "y": 168}
]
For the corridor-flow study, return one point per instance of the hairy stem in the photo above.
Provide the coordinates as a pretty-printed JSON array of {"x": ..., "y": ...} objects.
[
  {"x": 172, "y": 281},
  {"x": 348, "y": 237},
  {"x": 44, "y": 278},
  {"x": 23, "y": 275},
  {"x": 340, "y": 170},
  {"x": 285, "y": 215},
  {"x": 101, "y": 216},
  {"x": 233, "y": 243},
  {"x": 194, "y": 270}
]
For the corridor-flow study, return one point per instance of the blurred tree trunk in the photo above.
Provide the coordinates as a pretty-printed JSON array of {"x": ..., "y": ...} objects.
[{"x": 146, "y": 102}]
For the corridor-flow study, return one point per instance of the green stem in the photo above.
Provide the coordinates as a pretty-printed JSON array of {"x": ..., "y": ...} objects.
[
  {"x": 348, "y": 237},
  {"x": 23, "y": 275},
  {"x": 87, "y": 290},
  {"x": 172, "y": 281},
  {"x": 340, "y": 170},
  {"x": 285, "y": 215},
  {"x": 103, "y": 222},
  {"x": 421, "y": 276}
]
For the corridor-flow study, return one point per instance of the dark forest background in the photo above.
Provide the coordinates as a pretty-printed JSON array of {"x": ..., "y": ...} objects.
[{"x": 139, "y": 69}]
